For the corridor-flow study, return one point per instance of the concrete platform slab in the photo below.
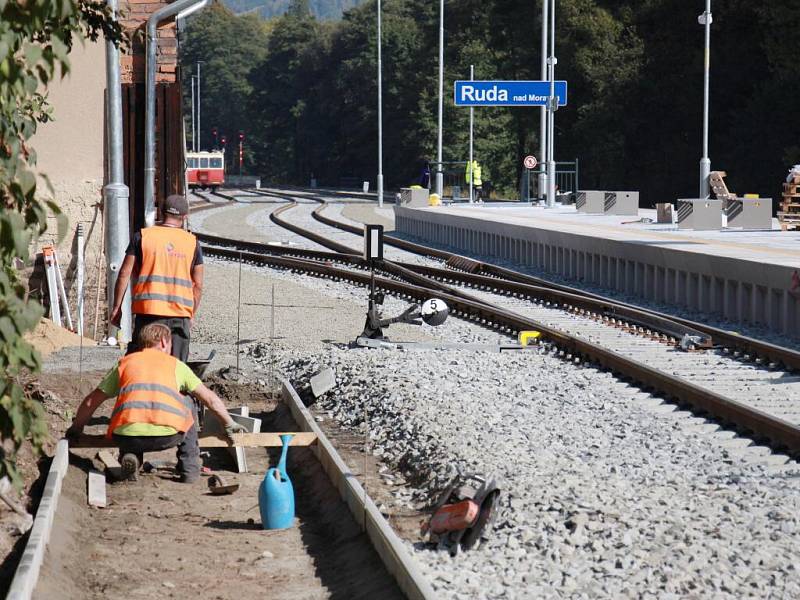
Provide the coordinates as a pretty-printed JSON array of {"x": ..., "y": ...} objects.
[{"x": 744, "y": 276}]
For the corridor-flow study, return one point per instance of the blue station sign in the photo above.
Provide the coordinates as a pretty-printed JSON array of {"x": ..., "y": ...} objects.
[{"x": 507, "y": 93}]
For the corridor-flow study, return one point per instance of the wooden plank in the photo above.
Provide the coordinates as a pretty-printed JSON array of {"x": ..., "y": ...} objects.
[
  {"x": 96, "y": 489},
  {"x": 247, "y": 440},
  {"x": 111, "y": 463}
]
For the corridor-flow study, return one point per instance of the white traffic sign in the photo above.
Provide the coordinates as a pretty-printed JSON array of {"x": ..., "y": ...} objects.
[{"x": 530, "y": 162}]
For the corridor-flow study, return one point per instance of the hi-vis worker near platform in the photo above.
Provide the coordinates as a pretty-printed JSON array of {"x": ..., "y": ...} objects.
[
  {"x": 474, "y": 170},
  {"x": 151, "y": 414},
  {"x": 167, "y": 267}
]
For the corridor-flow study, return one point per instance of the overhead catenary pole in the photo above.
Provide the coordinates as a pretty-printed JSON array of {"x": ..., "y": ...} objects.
[
  {"x": 380, "y": 114},
  {"x": 552, "y": 106},
  {"x": 542, "y": 189},
  {"x": 115, "y": 192},
  {"x": 439, "y": 174},
  {"x": 705, "y": 161},
  {"x": 471, "y": 129}
]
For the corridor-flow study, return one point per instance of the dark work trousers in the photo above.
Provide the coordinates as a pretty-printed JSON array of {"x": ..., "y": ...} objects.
[
  {"x": 188, "y": 450},
  {"x": 179, "y": 326},
  {"x": 188, "y": 458}
]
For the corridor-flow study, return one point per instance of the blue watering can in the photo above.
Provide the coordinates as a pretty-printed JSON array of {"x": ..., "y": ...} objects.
[{"x": 276, "y": 495}]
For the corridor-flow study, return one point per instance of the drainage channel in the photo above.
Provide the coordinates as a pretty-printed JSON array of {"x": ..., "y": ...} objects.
[{"x": 163, "y": 538}]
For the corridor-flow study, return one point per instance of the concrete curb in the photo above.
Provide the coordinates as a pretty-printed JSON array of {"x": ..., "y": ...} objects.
[
  {"x": 27, "y": 572},
  {"x": 389, "y": 547}
]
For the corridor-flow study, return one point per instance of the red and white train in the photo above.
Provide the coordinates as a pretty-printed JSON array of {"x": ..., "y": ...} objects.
[{"x": 205, "y": 170}]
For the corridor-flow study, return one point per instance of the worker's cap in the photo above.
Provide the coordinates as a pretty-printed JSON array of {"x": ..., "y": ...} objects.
[{"x": 176, "y": 205}]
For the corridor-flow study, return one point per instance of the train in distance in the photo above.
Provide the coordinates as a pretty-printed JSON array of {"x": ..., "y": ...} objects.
[{"x": 205, "y": 170}]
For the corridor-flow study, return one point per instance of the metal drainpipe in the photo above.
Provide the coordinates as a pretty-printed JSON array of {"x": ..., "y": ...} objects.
[
  {"x": 150, "y": 103},
  {"x": 115, "y": 192}
]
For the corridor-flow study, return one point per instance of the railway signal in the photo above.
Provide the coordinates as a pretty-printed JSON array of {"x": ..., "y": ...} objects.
[
  {"x": 214, "y": 135},
  {"x": 241, "y": 151}
]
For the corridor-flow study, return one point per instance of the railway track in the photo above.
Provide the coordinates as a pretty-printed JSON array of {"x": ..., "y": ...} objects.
[{"x": 743, "y": 382}]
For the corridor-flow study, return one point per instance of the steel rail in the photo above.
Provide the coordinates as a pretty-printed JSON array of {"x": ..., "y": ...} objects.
[
  {"x": 603, "y": 307},
  {"x": 745, "y": 347},
  {"x": 750, "y": 348},
  {"x": 781, "y": 434},
  {"x": 626, "y": 318}
]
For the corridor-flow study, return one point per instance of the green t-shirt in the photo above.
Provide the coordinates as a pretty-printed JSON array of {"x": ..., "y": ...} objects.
[{"x": 185, "y": 380}]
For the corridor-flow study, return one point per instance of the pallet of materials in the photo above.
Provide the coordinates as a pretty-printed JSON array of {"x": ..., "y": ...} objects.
[{"x": 789, "y": 214}]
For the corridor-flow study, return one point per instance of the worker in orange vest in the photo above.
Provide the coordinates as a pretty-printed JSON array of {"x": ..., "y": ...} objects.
[
  {"x": 151, "y": 414},
  {"x": 167, "y": 267}
]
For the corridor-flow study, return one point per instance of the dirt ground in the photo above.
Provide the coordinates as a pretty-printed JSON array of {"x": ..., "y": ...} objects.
[
  {"x": 158, "y": 537},
  {"x": 161, "y": 538},
  {"x": 47, "y": 338}
]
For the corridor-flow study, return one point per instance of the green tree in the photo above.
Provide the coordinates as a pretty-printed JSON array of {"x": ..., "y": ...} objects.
[
  {"x": 35, "y": 39},
  {"x": 229, "y": 47},
  {"x": 299, "y": 9}
]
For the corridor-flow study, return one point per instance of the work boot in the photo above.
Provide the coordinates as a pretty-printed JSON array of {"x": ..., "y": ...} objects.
[{"x": 130, "y": 467}]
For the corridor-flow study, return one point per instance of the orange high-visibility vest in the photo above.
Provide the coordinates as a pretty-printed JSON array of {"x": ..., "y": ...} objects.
[
  {"x": 164, "y": 286},
  {"x": 148, "y": 393}
]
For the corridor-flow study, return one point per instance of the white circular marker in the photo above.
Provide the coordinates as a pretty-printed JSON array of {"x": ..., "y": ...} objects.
[
  {"x": 111, "y": 341},
  {"x": 434, "y": 311}
]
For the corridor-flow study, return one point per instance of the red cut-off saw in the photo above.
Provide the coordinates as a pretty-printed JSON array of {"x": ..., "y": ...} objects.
[{"x": 463, "y": 511}]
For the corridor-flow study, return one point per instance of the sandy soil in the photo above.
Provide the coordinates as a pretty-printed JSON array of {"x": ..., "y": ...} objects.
[{"x": 49, "y": 337}]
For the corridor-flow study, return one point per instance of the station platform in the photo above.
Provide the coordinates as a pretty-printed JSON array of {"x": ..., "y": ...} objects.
[{"x": 744, "y": 276}]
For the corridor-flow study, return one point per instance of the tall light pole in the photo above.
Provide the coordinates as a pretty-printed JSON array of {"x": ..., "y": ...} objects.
[
  {"x": 471, "y": 130},
  {"x": 439, "y": 174},
  {"x": 705, "y": 161},
  {"x": 194, "y": 127},
  {"x": 199, "y": 129},
  {"x": 380, "y": 114},
  {"x": 551, "y": 110},
  {"x": 542, "y": 191}
]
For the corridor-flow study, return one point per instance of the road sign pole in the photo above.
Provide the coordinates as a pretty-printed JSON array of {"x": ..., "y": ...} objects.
[
  {"x": 705, "y": 161},
  {"x": 471, "y": 125},
  {"x": 439, "y": 174},
  {"x": 551, "y": 163},
  {"x": 543, "y": 110}
]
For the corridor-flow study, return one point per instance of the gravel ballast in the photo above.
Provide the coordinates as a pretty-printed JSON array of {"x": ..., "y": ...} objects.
[{"x": 607, "y": 492}]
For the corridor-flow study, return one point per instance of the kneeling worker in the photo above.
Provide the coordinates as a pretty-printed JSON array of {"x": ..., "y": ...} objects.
[{"x": 150, "y": 413}]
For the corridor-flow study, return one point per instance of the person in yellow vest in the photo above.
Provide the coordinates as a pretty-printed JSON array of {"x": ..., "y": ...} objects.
[
  {"x": 151, "y": 412},
  {"x": 167, "y": 268},
  {"x": 473, "y": 171}
]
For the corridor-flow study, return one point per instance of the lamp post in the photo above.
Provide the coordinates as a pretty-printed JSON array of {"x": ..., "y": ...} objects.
[
  {"x": 199, "y": 129},
  {"x": 542, "y": 191},
  {"x": 380, "y": 114},
  {"x": 551, "y": 110},
  {"x": 471, "y": 129},
  {"x": 705, "y": 162},
  {"x": 439, "y": 174},
  {"x": 194, "y": 126}
]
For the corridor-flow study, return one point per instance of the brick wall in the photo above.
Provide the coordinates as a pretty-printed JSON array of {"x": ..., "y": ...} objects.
[{"x": 134, "y": 19}]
